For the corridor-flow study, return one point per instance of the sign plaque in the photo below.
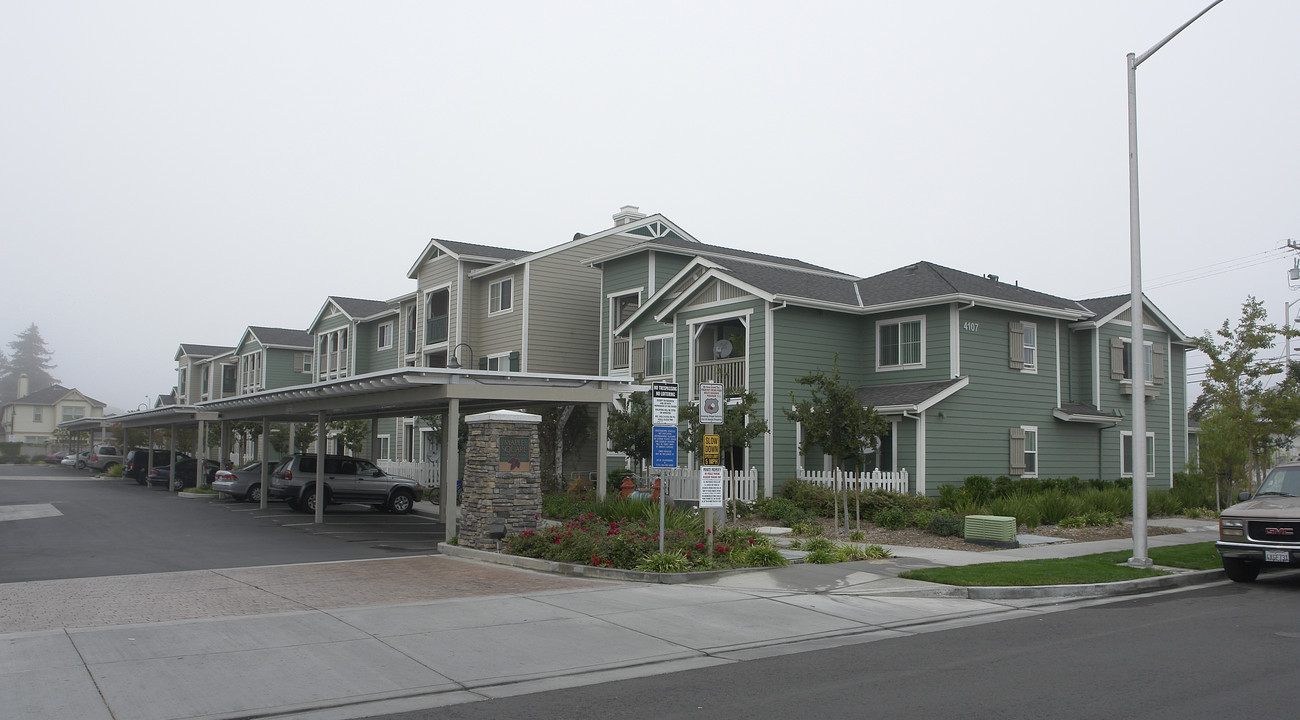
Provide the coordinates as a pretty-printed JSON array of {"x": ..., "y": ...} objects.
[
  {"x": 712, "y": 450},
  {"x": 514, "y": 455},
  {"x": 663, "y": 447},
  {"x": 711, "y": 486},
  {"x": 711, "y": 410},
  {"x": 663, "y": 408}
]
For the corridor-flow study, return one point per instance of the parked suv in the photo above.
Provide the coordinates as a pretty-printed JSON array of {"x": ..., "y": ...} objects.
[
  {"x": 136, "y": 464},
  {"x": 347, "y": 479},
  {"x": 1263, "y": 531},
  {"x": 103, "y": 458}
]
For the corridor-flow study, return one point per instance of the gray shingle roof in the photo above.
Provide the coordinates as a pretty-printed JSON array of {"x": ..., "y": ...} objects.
[
  {"x": 48, "y": 396},
  {"x": 359, "y": 308},
  {"x": 283, "y": 337},
  {"x": 924, "y": 279},
  {"x": 1104, "y": 306},
  {"x": 695, "y": 248},
  {"x": 789, "y": 281},
  {"x": 204, "y": 351},
  {"x": 902, "y": 393},
  {"x": 489, "y": 251}
]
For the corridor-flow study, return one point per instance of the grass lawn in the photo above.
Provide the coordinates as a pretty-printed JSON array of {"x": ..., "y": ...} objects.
[{"x": 1099, "y": 568}]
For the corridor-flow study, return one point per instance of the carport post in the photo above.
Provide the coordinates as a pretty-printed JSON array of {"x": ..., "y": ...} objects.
[
  {"x": 602, "y": 449},
  {"x": 320, "y": 467},
  {"x": 450, "y": 467},
  {"x": 171, "y": 452},
  {"x": 225, "y": 444},
  {"x": 262, "y": 455},
  {"x": 374, "y": 440}
]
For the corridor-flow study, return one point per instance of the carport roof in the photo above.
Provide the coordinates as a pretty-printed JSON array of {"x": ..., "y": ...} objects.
[{"x": 415, "y": 391}]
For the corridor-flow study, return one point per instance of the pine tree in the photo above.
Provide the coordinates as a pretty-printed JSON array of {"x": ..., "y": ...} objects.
[{"x": 30, "y": 356}]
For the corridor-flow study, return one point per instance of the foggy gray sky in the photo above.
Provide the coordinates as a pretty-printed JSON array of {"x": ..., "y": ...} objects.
[{"x": 174, "y": 172}]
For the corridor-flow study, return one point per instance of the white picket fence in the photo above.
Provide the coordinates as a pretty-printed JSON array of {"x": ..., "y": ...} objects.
[
  {"x": 684, "y": 483},
  {"x": 874, "y": 480},
  {"x": 425, "y": 473}
]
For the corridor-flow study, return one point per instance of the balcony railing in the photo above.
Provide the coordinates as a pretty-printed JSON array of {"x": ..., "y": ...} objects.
[
  {"x": 435, "y": 330},
  {"x": 730, "y": 372},
  {"x": 621, "y": 354}
]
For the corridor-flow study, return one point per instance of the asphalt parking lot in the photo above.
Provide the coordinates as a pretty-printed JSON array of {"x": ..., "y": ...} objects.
[{"x": 57, "y": 522}]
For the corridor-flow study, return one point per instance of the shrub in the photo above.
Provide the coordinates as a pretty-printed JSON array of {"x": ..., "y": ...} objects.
[
  {"x": 666, "y": 562},
  {"x": 945, "y": 524},
  {"x": 783, "y": 510},
  {"x": 806, "y": 529},
  {"x": 819, "y": 543},
  {"x": 1092, "y": 518},
  {"x": 857, "y": 536},
  {"x": 849, "y": 553},
  {"x": 812, "y": 498},
  {"x": 822, "y": 556},
  {"x": 892, "y": 518},
  {"x": 761, "y": 556},
  {"x": 978, "y": 487}
]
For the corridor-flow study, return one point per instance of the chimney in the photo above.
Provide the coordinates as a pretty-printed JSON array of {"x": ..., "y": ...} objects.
[
  {"x": 627, "y": 214},
  {"x": 22, "y": 385}
]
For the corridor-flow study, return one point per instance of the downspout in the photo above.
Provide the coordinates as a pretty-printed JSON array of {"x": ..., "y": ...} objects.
[{"x": 920, "y": 448}]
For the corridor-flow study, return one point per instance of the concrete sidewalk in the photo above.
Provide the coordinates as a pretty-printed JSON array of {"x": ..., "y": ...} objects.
[{"x": 341, "y": 640}]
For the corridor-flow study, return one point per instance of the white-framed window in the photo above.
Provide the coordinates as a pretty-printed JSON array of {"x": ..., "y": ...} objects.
[
  {"x": 499, "y": 363},
  {"x": 383, "y": 447},
  {"x": 385, "y": 336},
  {"x": 73, "y": 412},
  {"x": 1031, "y": 451},
  {"x": 307, "y": 362},
  {"x": 1031, "y": 346},
  {"x": 36, "y": 414},
  {"x": 1126, "y": 453},
  {"x": 1128, "y": 360},
  {"x": 501, "y": 296},
  {"x": 659, "y": 356},
  {"x": 1024, "y": 451},
  {"x": 900, "y": 343},
  {"x": 333, "y": 361},
  {"x": 250, "y": 380}
]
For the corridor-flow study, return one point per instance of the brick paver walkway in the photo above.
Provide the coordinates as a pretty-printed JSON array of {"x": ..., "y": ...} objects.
[{"x": 161, "y": 597}]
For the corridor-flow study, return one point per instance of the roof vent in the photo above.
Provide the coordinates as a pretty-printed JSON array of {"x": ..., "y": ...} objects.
[
  {"x": 992, "y": 277},
  {"x": 628, "y": 214}
]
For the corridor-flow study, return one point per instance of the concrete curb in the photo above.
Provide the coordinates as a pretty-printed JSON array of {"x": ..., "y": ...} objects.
[
  {"x": 584, "y": 571},
  {"x": 1180, "y": 578}
]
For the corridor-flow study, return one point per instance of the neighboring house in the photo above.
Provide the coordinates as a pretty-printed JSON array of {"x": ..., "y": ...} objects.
[
  {"x": 504, "y": 310},
  {"x": 353, "y": 336},
  {"x": 272, "y": 358},
  {"x": 192, "y": 368},
  {"x": 976, "y": 376},
  {"x": 31, "y": 419}
]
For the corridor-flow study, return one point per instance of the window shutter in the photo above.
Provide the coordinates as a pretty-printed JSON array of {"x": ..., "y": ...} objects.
[
  {"x": 1017, "y": 345},
  {"x": 1158, "y": 364},
  {"x": 297, "y": 362},
  {"x": 482, "y": 363},
  {"x": 514, "y": 361},
  {"x": 1017, "y": 451},
  {"x": 638, "y": 357},
  {"x": 1116, "y": 359}
]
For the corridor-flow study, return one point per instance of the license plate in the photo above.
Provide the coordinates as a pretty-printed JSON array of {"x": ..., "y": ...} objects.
[{"x": 1277, "y": 556}]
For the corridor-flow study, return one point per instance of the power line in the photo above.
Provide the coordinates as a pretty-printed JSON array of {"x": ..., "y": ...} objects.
[{"x": 1200, "y": 273}]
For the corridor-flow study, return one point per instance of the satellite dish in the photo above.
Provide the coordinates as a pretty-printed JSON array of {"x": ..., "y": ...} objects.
[{"x": 722, "y": 349}]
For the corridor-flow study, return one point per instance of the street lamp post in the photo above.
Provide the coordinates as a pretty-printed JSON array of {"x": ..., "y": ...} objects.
[{"x": 1137, "y": 349}]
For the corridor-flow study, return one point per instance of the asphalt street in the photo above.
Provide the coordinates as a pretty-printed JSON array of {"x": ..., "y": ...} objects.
[{"x": 80, "y": 526}]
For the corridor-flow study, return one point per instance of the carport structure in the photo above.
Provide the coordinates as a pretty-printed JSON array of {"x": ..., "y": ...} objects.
[
  {"x": 168, "y": 416},
  {"x": 407, "y": 392}
]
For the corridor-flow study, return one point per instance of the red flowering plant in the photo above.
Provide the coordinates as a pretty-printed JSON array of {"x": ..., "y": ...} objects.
[{"x": 621, "y": 533}]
